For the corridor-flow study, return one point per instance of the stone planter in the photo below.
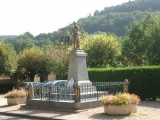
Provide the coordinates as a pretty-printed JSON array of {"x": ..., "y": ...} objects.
[
  {"x": 123, "y": 109},
  {"x": 16, "y": 101}
]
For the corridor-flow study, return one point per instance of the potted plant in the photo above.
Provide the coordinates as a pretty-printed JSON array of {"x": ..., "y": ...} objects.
[
  {"x": 120, "y": 103},
  {"x": 15, "y": 97}
]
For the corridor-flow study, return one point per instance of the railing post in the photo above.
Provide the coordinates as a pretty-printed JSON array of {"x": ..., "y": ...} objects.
[
  {"x": 41, "y": 92},
  {"x": 125, "y": 86},
  {"x": 49, "y": 92},
  {"x": 77, "y": 93},
  {"x": 58, "y": 95},
  {"x": 97, "y": 92}
]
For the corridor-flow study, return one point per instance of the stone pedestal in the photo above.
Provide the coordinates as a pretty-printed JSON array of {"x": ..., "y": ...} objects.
[
  {"x": 78, "y": 73},
  {"x": 77, "y": 67}
]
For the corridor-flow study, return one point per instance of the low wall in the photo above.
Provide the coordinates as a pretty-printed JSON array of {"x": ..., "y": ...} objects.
[{"x": 62, "y": 105}]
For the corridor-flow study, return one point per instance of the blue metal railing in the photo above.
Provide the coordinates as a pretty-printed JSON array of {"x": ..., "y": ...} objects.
[{"x": 86, "y": 92}]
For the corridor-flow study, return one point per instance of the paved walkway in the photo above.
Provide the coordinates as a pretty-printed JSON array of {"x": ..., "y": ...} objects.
[
  {"x": 5, "y": 117},
  {"x": 147, "y": 110}
]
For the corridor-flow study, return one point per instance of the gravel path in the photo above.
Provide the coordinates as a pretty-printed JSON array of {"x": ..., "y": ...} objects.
[{"x": 147, "y": 110}]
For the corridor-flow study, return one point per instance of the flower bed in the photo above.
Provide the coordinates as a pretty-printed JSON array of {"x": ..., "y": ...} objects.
[
  {"x": 124, "y": 103},
  {"x": 15, "y": 97},
  {"x": 16, "y": 94}
]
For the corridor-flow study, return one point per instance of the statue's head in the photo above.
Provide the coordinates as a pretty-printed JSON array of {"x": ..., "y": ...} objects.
[{"x": 74, "y": 23}]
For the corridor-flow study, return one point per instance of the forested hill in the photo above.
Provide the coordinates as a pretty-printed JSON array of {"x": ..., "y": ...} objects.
[
  {"x": 4, "y": 37},
  {"x": 114, "y": 19},
  {"x": 141, "y": 5},
  {"x": 111, "y": 19}
]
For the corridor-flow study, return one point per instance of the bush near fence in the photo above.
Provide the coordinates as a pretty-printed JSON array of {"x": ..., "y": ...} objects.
[
  {"x": 6, "y": 85},
  {"x": 144, "y": 81}
]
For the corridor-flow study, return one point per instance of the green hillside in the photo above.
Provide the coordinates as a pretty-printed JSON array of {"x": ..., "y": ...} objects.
[{"x": 114, "y": 19}]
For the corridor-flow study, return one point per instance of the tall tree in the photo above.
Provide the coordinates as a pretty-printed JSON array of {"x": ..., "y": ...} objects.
[
  {"x": 8, "y": 59},
  {"x": 154, "y": 46},
  {"x": 137, "y": 45},
  {"x": 34, "y": 60}
]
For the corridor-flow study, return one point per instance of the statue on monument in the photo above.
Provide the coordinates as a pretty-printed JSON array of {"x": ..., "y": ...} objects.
[{"x": 76, "y": 37}]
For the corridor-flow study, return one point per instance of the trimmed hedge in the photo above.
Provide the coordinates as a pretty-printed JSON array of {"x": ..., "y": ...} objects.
[
  {"x": 144, "y": 81},
  {"x": 5, "y": 87}
]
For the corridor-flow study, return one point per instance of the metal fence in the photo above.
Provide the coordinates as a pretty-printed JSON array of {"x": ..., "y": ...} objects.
[{"x": 84, "y": 92}]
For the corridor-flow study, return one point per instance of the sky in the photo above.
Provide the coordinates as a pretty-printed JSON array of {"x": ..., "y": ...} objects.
[{"x": 46, "y": 16}]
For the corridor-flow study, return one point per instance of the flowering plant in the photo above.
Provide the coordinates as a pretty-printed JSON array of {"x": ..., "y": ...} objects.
[
  {"x": 120, "y": 99},
  {"x": 16, "y": 94}
]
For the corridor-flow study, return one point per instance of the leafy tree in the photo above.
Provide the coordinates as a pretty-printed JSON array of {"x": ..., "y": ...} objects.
[
  {"x": 42, "y": 43},
  {"x": 102, "y": 50},
  {"x": 8, "y": 59},
  {"x": 26, "y": 44},
  {"x": 50, "y": 36},
  {"x": 22, "y": 41},
  {"x": 34, "y": 60},
  {"x": 19, "y": 75},
  {"x": 27, "y": 35},
  {"x": 139, "y": 47},
  {"x": 58, "y": 61},
  {"x": 154, "y": 46}
]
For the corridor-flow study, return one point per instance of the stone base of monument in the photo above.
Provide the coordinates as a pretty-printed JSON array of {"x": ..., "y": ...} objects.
[
  {"x": 84, "y": 83},
  {"x": 61, "y": 105}
]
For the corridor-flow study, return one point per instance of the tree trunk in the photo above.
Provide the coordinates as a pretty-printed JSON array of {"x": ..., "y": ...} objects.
[
  {"x": 42, "y": 78},
  {"x": 16, "y": 82},
  {"x": 31, "y": 76},
  {"x": 16, "y": 75}
]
